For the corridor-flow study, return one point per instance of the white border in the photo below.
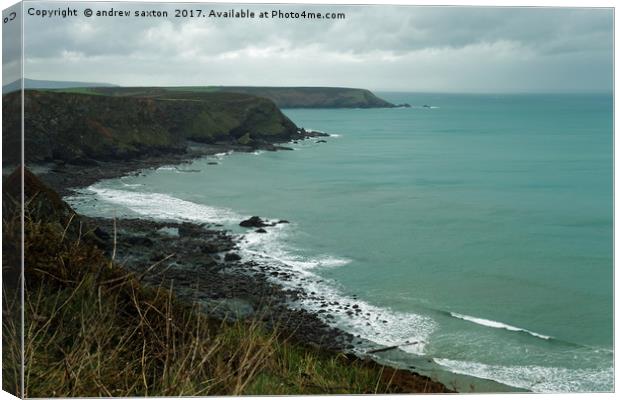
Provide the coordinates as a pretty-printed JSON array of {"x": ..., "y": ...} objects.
[{"x": 504, "y": 3}]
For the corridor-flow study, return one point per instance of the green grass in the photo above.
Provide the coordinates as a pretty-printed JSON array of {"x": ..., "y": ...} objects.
[{"x": 84, "y": 90}]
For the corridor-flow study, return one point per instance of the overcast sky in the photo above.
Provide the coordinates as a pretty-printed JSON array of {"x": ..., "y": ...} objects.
[{"x": 377, "y": 47}]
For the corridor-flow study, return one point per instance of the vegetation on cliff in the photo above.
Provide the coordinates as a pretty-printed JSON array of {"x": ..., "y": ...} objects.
[
  {"x": 94, "y": 329},
  {"x": 283, "y": 97},
  {"x": 77, "y": 127}
]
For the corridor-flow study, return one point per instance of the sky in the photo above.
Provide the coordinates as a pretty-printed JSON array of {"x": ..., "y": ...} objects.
[{"x": 397, "y": 48}]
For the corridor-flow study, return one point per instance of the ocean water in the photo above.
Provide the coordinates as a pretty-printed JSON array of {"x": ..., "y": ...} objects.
[{"x": 475, "y": 233}]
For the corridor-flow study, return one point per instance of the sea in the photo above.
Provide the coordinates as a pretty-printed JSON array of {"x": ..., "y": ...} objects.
[{"x": 473, "y": 231}]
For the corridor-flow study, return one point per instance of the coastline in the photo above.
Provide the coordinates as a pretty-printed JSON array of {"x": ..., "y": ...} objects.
[{"x": 223, "y": 286}]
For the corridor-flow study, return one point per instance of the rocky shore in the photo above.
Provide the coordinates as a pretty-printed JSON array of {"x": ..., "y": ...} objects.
[
  {"x": 63, "y": 177},
  {"x": 201, "y": 263}
]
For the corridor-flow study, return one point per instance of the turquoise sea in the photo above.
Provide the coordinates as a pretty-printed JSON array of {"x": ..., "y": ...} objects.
[{"x": 478, "y": 229}]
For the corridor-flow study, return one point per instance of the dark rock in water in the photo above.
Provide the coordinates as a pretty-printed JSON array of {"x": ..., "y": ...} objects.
[
  {"x": 321, "y": 141},
  {"x": 260, "y": 230},
  {"x": 232, "y": 257},
  {"x": 254, "y": 222},
  {"x": 282, "y": 148},
  {"x": 139, "y": 241},
  {"x": 212, "y": 163},
  {"x": 283, "y": 221}
]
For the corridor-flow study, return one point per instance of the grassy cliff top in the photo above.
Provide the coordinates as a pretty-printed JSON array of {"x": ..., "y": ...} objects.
[{"x": 283, "y": 97}]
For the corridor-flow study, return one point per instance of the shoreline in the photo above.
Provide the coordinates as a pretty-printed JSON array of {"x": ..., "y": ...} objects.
[
  {"x": 230, "y": 286},
  {"x": 225, "y": 287}
]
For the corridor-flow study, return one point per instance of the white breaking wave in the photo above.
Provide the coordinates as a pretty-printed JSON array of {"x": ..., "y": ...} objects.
[
  {"x": 270, "y": 245},
  {"x": 536, "y": 378},
  {"x": 219, "y": 156},
  {"x": 166, "y": 168},
  {"x": 498, "y": 325},
  {"x": 380, "y": 325},
  {"x": 163, "y": 206}
]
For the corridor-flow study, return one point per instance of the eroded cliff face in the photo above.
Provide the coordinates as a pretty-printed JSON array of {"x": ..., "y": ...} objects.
[{"x": 75, "y": 127}]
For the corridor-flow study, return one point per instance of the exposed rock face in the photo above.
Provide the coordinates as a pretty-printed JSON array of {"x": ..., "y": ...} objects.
[{"x": 83, "y": 128}]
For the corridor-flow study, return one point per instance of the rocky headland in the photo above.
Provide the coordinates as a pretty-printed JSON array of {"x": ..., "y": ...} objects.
[
  {"x": 81, "y": 128},
  {"x": 283, "y": 97},
  {"x": 83, "y": 138}
]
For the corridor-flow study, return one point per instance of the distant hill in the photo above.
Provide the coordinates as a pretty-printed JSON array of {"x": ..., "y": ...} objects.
[
  {"x": 43, "y": 84},
  {"x": 313, "y": 97},
  {"x": 283, "y": 97}
]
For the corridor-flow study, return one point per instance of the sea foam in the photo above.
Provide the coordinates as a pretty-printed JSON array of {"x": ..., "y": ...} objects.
[
  {"x": 379, "y": 325},
  {"x": 498, "y": 325},
  {"x": 534, "y": 377},
  {"x": 163, "y": 206}
]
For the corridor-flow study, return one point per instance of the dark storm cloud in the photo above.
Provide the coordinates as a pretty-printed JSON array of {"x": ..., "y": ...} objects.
[{"x": 388, "y": 47}]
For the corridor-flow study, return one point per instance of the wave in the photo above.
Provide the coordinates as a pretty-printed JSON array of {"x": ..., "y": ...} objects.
[
  {"x": 219, "y": 156},
  {"x": 162, "y": 206},
  {"x": 535, "y": 377},
  {"x": 371, "y": 324},
  {"x": 375, "y": 325},
  {"x": 498, "y": 325},
  {"x": 271, "y": 245}
]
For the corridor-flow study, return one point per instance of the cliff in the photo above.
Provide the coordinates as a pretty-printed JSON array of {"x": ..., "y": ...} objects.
[
  {"x": 313, "y": 97},
  {"x": 283, "y": 97},
  {"x": 76, "y": 127}
]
